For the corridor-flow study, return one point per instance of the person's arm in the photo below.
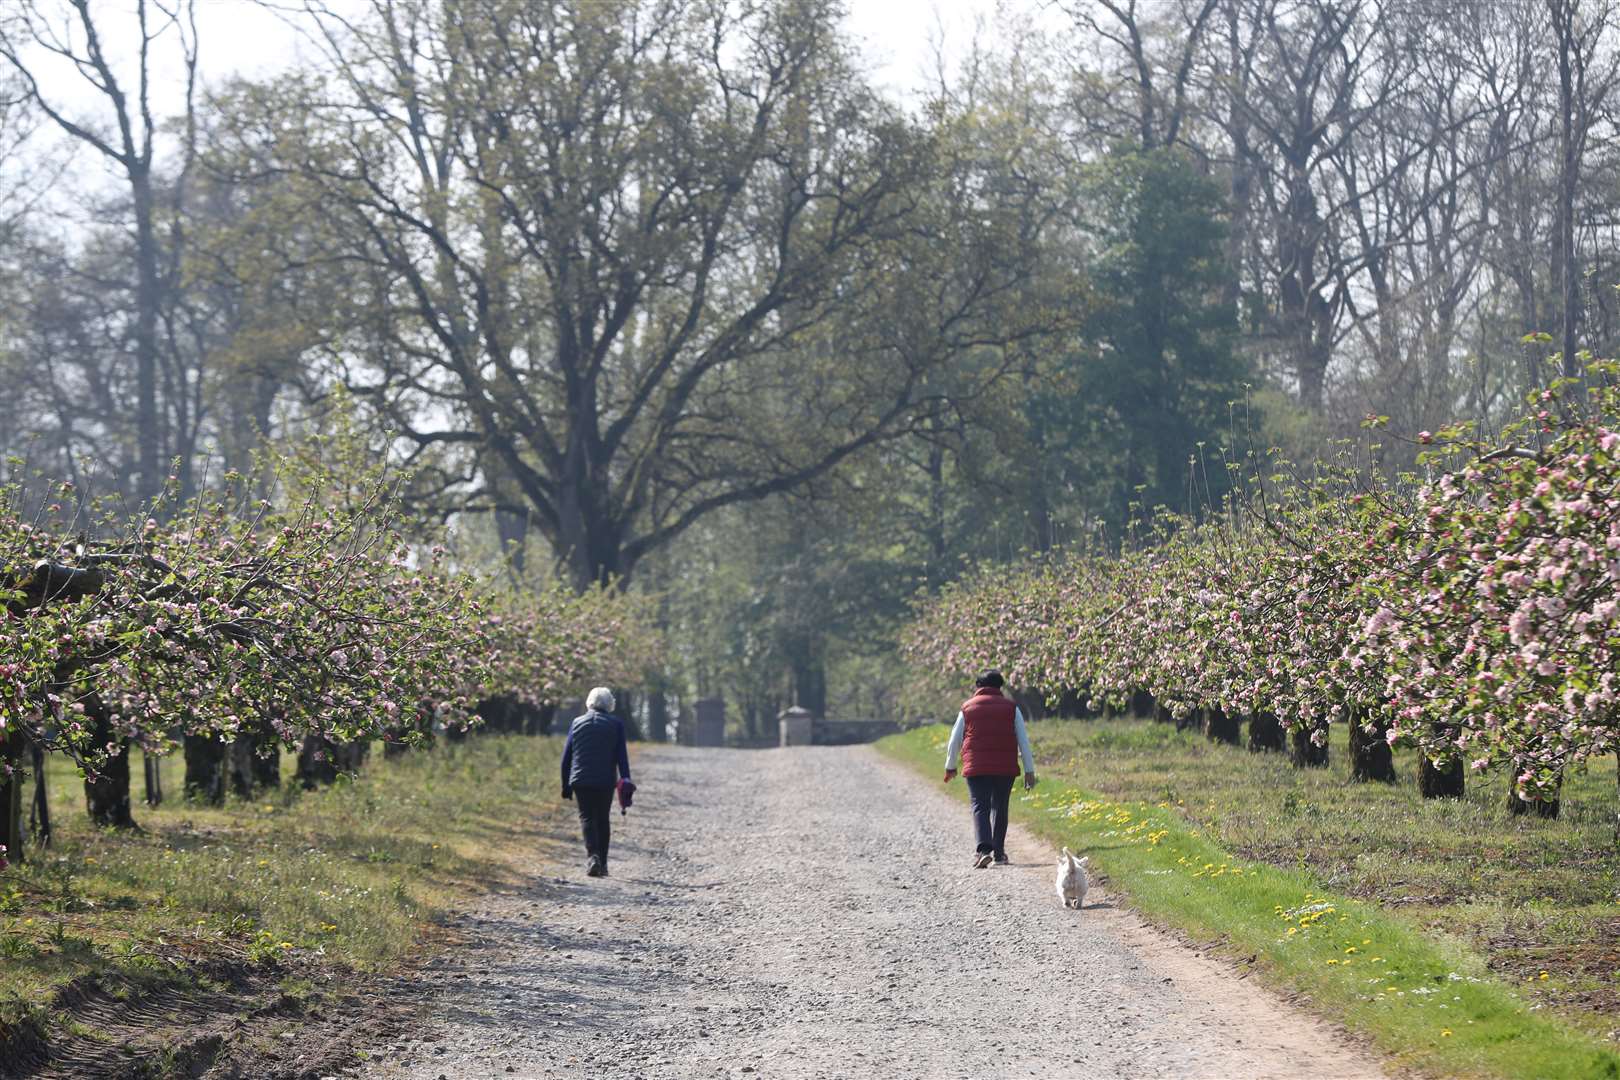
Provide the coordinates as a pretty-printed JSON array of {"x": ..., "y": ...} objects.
[
  {"x": 567, "y": 763},
  {"x": 1024, "y": 750},
  {"x": 953, "y": 749},
  {"x": 624, "y": 753}
]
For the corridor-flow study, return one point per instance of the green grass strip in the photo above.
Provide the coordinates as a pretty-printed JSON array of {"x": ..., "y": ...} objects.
[{"x": 1428, "y": 1004}]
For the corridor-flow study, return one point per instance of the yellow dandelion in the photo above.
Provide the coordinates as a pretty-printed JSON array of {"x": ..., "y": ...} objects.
[
  {"x": 1543, "y": 975},
  {"x": 1445, "y": 1033},
  {"x": 1351, "y": 949},
  {"x": 1332, "y": 961}
]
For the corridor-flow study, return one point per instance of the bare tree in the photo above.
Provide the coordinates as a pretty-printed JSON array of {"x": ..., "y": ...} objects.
[
  {"x": 124, "y": 132},
  {"x": 1158, "y": 44},
  {"x": 1588, "y": 72}
]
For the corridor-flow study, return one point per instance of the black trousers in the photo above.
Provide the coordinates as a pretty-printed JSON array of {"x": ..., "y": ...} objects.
[
  {"x": 595, "y": 819},
  {"x": 990, "y": 795}
]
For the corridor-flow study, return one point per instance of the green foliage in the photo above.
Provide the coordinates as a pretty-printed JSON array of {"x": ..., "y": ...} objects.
[{"x": 1158, "y": 374}]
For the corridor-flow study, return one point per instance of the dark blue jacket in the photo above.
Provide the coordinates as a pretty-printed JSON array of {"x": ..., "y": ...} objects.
[{"x": 595, "y": 744}]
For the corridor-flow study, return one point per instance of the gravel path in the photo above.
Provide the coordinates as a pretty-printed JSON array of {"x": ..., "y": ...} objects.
[{"x": 811, "y": 913}]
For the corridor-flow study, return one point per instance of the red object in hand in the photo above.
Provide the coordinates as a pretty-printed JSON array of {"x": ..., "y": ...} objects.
[{"x": 950, "y": 774}]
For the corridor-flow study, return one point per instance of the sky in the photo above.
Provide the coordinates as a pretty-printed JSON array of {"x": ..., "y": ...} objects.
[
  {"x": 898, "y": 38},
  {"x": 241, "y": 37}
]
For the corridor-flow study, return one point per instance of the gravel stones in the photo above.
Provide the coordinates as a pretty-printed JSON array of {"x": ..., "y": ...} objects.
[{"x": 810, "y": 913}]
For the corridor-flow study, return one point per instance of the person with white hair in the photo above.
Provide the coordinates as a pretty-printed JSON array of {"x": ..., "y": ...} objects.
[{"x": 595, "y": 747}]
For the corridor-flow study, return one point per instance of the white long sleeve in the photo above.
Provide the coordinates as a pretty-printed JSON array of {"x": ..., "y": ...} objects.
[
  {"x": 953, "y": 749},
  {"x": 1024, "y": 749}
]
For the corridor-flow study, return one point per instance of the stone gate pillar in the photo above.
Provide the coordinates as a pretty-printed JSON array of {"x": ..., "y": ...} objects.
[
  {"x": 711, "y": 722},
  {"x": 798, "y": 726}
]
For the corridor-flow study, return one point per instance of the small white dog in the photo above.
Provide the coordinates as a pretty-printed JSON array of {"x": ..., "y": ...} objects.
[{"x": 1071, "y": 879}]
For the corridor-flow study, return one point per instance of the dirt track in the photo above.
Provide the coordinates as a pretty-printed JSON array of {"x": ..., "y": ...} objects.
[{"x": 811, "y": 913}]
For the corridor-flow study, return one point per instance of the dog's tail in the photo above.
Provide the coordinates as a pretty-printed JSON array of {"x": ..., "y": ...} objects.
[{"x": 1067, "y": 854}]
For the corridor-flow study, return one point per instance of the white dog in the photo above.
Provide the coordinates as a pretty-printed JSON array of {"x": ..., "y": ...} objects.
[{"x": 1071, "y": 879}]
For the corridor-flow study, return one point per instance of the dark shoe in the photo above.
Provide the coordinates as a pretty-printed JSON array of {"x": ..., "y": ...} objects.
[
  {"x": 982, "y": 860},
  {"x": 595, "y": 869},
  {"x": 1001, "y": 858}
]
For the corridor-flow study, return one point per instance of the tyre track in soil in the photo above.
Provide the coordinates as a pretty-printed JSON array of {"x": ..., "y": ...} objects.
[{"x": 810, "y": 913}]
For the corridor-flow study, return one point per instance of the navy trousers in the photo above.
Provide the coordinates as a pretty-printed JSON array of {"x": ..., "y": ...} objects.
[
  {"x": 990, "y": 795},
  {"x": 595, "y": 819}
]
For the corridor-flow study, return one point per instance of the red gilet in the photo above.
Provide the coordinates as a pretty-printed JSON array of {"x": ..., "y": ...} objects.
[{"x": 989, "y": 740}]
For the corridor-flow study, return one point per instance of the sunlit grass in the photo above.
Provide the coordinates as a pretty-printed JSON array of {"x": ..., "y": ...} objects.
[
  {"x": 1319, "y": 880},
  {"x": 343, "y": 878}
]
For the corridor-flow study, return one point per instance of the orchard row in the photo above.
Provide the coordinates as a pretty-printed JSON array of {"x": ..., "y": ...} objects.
[
  {"x": 1467, "y": 608},
  {"x": 292, "y": 608}
]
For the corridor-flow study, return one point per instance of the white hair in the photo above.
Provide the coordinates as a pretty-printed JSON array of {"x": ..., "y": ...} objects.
[{"x": 600, "y": 699}]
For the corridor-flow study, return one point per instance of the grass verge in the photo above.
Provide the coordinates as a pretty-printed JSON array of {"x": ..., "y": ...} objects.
[
  {"x": 1428, "y": 1000},
  {"x": 345, "y": 878}
]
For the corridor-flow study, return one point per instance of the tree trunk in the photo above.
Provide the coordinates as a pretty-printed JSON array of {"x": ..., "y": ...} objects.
[
  {"x": 657, "y": 715},
  {"x": 938, "y": 571},
  {"x": 239, "y": 767},
  {"x": 1265, "y": 733},
  {"x": 320, "y": 760},
  {"x": 153, "y": 769},
  {"x": 1221, "y": 726},
  {"x": 106, "y": 792},
  {"x": 148, "y": 298},
  {"x": 624, "y": 706},
  {"x": 265, "y": 761},
  {"x": 315, "y": 762},
  {"x": 1142, "y": 705},
  {"x": 1565, "y": 17},
  {"x": 1370, "y": 756},
  {"x": 11, "y": 783},
  {"x": 810, "y": 676},
  {"x": 1303, "y": 752},
  {"x": 1541, "y": 808},
  {"x": 1446, "y": 781},
  {"x": 39, "y": 815},
  {"x": 205, "y": 769}
]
